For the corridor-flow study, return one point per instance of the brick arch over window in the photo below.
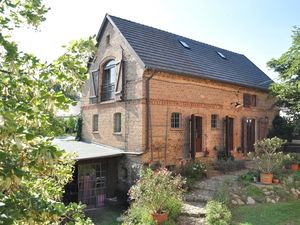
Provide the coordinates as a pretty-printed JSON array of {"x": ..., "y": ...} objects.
[{"x": 108, "y": 80}]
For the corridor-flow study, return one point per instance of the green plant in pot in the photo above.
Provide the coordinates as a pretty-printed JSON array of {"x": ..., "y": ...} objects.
[
  {"x": 294, "y": 161},
  {"x": 155, "y": 190},
  {"x": 267, "y": 157}
]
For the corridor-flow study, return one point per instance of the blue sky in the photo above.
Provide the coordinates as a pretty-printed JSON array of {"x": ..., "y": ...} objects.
[{"x": 260, "y": 30}]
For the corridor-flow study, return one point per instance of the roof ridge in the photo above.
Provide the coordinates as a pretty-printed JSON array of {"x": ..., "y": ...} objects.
[{"x": 177, "y": 35}]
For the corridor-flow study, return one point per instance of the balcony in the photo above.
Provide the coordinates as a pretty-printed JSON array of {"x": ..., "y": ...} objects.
[{"x": 107, "y": 92}]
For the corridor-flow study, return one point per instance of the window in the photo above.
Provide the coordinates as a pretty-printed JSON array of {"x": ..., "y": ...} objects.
[
  {"x": 117, "y": 122},
  {"x": 108, "y": 81},
  {"x": 95, "y": 122},
  {"x": 214, "y": 121},
  {"x": 184, "y": 44},
  {"x": 175, "y": 120},
  {"x": 221, "y": 55},
  {"x": 94, "y": 86},
  {"x": 249, "y": 100},
  {"x": 108, "y": 39}
]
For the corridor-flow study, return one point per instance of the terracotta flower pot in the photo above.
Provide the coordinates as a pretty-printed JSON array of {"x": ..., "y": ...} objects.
[
  {"x": 276, "y": 181},
  {"x": 159, "y": 218},
  {"x": 294, "y": 167},
  {"x": 266, "y": 178}
]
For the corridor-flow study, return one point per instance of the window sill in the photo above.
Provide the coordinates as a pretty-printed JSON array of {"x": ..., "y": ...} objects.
[
  {"x": 176, "y": 129},
  {"x": 107, "y": 101},
  {"x": 95, "y": 132},
  {"x": 117, "y": 133}
]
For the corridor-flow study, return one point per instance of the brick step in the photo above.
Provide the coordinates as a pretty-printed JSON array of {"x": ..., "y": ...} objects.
[{"x": 193, "y": 209}]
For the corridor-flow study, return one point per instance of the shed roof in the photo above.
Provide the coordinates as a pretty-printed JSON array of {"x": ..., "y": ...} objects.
[
  {"x": 164, "y": 51},
  {"x": 86, "y": 150}
]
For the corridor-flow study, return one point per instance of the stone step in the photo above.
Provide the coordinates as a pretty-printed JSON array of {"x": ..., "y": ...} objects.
[
  {"x": 193, "y": 209},
  {"x": 185, "y": 220},
  {"x": 208, "y": 185},
  {"x": 199, "y": 196}
]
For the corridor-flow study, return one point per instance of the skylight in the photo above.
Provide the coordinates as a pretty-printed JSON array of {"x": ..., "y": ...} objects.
[
  {"x": 184, "y": 44},
  {"x": 221, "y": 55}
]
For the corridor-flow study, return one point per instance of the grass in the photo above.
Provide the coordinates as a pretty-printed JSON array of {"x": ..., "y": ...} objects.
[
  {"x": 105, "y": 215},
  {"x": 285, "y": 213}
]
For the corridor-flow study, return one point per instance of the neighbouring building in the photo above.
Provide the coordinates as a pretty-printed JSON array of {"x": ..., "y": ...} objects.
[{"x": 161, "y": 97}]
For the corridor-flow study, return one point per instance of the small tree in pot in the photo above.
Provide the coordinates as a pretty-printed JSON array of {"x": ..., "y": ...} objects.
[{"x": 267, "y": 158}]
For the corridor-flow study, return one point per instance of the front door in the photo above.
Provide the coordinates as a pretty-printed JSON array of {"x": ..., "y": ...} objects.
[
  {"x": 250, "y": 135},
  {"x": 228, "y": 134},
  {"x": 196, "y": 135}
]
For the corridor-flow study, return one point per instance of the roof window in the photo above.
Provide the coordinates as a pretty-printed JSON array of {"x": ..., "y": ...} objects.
[
  {"x": 221, "y": 55},
  {"x": 184, "y": 44}
]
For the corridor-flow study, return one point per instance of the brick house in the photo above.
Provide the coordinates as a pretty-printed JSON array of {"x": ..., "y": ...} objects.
[{"x": 159, "y": 96}]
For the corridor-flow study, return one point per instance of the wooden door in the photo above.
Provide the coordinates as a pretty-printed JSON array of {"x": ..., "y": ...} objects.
[
  {"x": 250, "y": 134},
  {"x": 196, "y": 135},
  {"x": 229, "y": 134}
]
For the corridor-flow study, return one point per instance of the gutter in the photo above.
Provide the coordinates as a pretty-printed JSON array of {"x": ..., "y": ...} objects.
[{"x": 148, "y": 113}]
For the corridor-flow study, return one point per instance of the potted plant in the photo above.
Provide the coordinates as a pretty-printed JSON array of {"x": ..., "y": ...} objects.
[
  {"x": 267, "y": 158},
  {"x": 155, "y": 189},
  {"x": 295, "y": 159}
]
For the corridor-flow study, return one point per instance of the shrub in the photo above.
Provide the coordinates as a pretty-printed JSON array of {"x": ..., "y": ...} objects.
[
  {"x": 217, "y": 213},
  {"x": 138, "y": 215},
  {"x": 222, "y": 194},
  {"x": 247, "y": 178},
  {"x": 193, "y": 171},
  {"x": 223, "y": 154},
  {"x": 266, "y": 157},
  {"x": 156, "y": 192},
  {"x": 229, "y": 165}
]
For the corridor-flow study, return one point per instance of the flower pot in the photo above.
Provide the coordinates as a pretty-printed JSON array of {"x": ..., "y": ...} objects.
[
  {"x": 276, "y": 181},
  {"x": 294, "y": 167},
  {"x": 266, "y": 178},
  {"x": 159, "y": 218}
]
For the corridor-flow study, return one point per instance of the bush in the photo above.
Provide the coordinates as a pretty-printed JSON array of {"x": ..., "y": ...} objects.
[
  {"x": 222, "y": 154},
  {"x": 229, "y": 165},
  {"x": 222, "y": 194},
  {"x": 193, "y": 171},
  {"x": 217, "y": 213},
  {"x": 156, "y": 192},
  {"x": 247, "y": 178}
]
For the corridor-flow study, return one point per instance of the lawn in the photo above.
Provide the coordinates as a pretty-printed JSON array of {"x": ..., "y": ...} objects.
[
  {"x": 105, "y": 215},
  {"x": 286, "y": 213}
]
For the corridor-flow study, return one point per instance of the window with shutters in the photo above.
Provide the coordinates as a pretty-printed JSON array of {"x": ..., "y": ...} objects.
[
  {"x": 95, "y": 122},
  {"x": 94, "y": 87},
  {"x": 108, "y": 81},
  {"x": 175, "y": 120},
  {"x": 117, "y": 122},
  {"x": 249, "y": 100}
]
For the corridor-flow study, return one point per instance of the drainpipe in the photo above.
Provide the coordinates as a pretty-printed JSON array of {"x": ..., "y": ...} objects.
[{"x": 148, "y": 113}]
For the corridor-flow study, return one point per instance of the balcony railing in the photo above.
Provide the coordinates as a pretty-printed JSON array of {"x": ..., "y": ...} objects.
[{"x": 107, "y": 92}]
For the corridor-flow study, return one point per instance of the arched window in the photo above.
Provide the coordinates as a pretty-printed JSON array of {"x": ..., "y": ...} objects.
[{"x": 108, "y": 81}]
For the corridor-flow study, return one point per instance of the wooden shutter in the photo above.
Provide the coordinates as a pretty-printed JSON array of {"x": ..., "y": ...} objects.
[{"x": 193, "y": 136}]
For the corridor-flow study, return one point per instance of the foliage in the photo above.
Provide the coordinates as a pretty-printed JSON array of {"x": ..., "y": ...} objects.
[
  {"x": 266, "y": 157},
  {"x": 138, "y": 215},
  {"x": 223, "y": 154},
  {"x": 255, "y": 192},
  {"x": 217, "y": 213},
  {"x": 246, "y": 178},
  {"x": 229, "y": 165},
  {"x": 282, "y": 128},
  {"x": 155, "y": 188},
  {"x": 222, "y": 194},
  {"x": 33, "y": 172},
  {"x": 287, "y": 90},
  {"x": 155, "y": 192},
  {"x": 79, "y": 129},
  {"x": 193, "y": 171},
  {"x": 295, "y": 158}
]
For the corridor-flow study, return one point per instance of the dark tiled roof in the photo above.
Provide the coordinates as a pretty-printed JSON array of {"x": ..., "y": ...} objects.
[{"x": 162, "y": 50}]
